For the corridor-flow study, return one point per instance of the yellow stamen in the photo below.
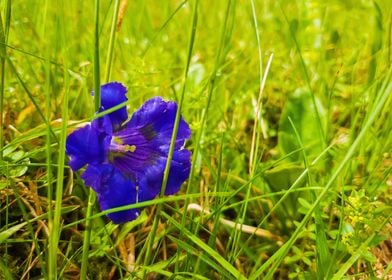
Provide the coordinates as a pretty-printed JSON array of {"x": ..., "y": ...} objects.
[
  {"x": 129, "y": 148},
  {"x": 117, "y": 140}
]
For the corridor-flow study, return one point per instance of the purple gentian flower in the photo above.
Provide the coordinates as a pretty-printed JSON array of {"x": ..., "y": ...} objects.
[{"x": 126, "y": 159}]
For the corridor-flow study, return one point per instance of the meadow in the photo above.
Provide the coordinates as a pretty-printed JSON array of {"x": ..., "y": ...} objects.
[{"x": 289, "y": 105}]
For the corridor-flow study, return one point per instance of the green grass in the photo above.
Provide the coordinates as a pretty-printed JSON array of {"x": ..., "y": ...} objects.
[{"x": 289, "y": 105}]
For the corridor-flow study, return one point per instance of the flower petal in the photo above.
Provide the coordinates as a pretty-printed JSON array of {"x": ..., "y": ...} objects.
[
  {"x": 96, "y": 175},
  {"x": 148, "y": 112},
  {"x": 113, "y": 94},
  {"x": 150, "y": 184},
  {"x": 155, "y": 120},
  {"x": 87, "y": 145},
  {"x": 150, "y": 181},
  {"x": 103, "y": 125},
  {"x": 179, "y": 171},
  {"x": 113, "y": 190}
]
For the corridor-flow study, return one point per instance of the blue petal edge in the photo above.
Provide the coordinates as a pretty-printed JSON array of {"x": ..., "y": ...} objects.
[
  {"x": 113, "y": 190},
  {"x": 113, "y": 94}
]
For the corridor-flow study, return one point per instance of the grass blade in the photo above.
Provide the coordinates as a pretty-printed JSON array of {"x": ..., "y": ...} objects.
[
  {"x": 112, "y": 40},
  {"x": 2, "y": 77},
  {"x": 175, "y": 129},
  {"x": 91, "y": 196},
  {"x": 55, "y": 227},
  {"x": 5, "y": 234},
  {"x": 211, "y": 252}
]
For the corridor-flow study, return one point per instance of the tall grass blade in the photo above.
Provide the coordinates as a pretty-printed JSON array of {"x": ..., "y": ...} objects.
[
  {"x": 192, "y": 35},
  {"x": 112, "y": 40},
  {"x": 52, "y": 246},
  {"x": 5, "y": 234},
  {"x": 97, "y": 98},
  {"x": 55, "y": 227},
  {"x": 2, "y": 77},
  {"x": 4, "y": 30}
]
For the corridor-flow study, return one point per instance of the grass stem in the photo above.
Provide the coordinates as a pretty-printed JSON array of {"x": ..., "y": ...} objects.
[
  {"x": 91, "y": 196},
  {"x": 112, "y": 40},
  {"x": 151, "y": 238}
]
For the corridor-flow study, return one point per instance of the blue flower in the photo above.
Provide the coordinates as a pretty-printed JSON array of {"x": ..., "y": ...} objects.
[{"x": 126, "y": 159}]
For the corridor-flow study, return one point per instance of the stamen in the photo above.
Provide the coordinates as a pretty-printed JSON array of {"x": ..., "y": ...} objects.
[
  {"x": 118, "y": 145},
  {"x": 129, "y": 148},
  {"x": 117, "y": 140}
]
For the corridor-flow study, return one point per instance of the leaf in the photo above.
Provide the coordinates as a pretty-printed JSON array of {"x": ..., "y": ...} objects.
[
  {"x": 3, "y": 185},
  {"x": 323, "y": 254},
  {"x": 305, "y": 205},
  {"x": 15, "y": 163},
  {"x": 283, "y": 176},
  {"x": 4, "y": 235},
  {"x": 366, "y": 255},
  {"x": 19, "y": 171},
  {"x": 2, "y": 39},
  {"x": 300, "y": 109}
]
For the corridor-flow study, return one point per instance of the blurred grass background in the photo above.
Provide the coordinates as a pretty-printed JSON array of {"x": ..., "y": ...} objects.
[{"x": 289, "y": 180}]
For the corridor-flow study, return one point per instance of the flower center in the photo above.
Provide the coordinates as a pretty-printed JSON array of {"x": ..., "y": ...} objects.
[{"x": 117, "y": 146}]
